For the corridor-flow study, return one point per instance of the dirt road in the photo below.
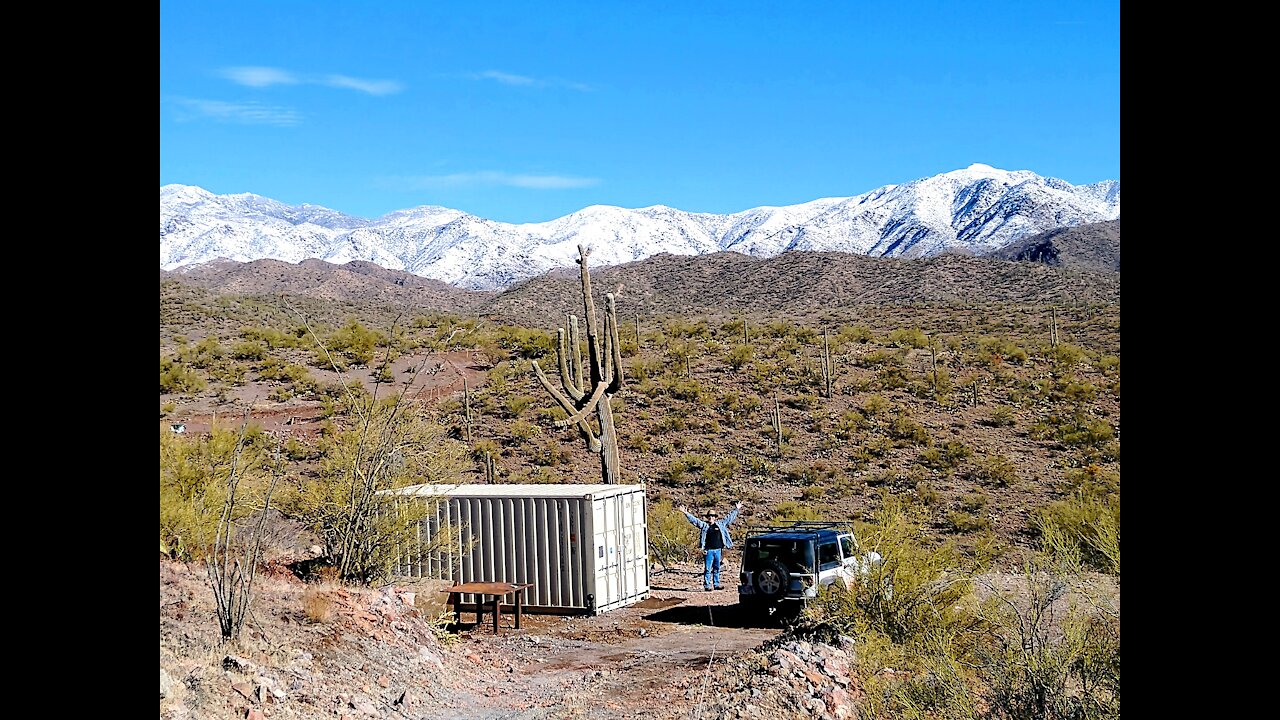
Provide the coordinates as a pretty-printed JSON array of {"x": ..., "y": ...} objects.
[{"x": 659, "y": 659}]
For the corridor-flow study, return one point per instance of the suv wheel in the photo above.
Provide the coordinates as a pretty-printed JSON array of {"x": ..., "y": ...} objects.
[{"x": 772, "y": 580}]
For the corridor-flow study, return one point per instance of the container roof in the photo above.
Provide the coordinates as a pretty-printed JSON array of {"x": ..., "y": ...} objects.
[{"x": 534, "y": 490}]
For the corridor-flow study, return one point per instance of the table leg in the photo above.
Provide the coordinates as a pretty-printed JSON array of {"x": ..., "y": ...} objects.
[
  {"x": 497, "y": 612},
  {"x": 479, "y": 610},
  {"x": 519, "y": 607},
  {"x": 456, "y": 599}
]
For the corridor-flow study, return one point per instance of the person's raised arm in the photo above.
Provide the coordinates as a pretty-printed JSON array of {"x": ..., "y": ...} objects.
[
  {"x": 693, "y": 519},
  {"x": 733, "y": 514}
]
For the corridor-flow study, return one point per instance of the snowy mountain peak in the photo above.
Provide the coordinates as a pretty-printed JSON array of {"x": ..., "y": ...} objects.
[{"x": 974, "y": 210}]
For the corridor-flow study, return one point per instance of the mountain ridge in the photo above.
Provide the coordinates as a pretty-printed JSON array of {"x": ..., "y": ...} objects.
[{"x": 976, "y": 210}]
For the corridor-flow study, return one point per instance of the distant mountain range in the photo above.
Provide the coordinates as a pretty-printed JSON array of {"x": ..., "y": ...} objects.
[
  {"x": 797, "y": 283},
  {"x": 975, "y": 211}
]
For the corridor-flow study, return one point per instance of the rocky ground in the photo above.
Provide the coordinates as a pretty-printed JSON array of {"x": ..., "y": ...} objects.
[{"x": 363, "y": 653}]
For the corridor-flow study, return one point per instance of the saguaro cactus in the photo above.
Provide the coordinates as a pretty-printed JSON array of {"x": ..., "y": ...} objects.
[
  {"x": 828, "y": 365},
  {"x": 583, "y": 394}
]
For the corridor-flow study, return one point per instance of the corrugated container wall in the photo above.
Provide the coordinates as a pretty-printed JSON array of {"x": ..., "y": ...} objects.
[{"x": 583, "y": 547}]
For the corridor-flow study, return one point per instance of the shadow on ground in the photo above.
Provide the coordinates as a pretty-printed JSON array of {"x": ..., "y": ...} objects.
[{"x": 733, "y": 616}]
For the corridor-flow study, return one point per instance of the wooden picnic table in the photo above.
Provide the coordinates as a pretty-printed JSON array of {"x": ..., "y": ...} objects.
[{"x": 497, "y": 590}]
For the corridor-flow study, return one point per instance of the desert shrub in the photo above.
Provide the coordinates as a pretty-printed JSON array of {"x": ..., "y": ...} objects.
[
  {"x": 881, "y": 357},
  {"x": 524, "y": 430},
  {"x": 228, "y": 373},
  {"x": 548, "y": 453},
  {"x": 792, "y": 511},
  {"x": 853, "y": 333},
  {"x": 1088, "y": 520},
  {"x": 638, "y": 442},
  {"x": 251, "y": 350},
  {"x": 1035, "y": 659},
  {"x": 849, "y": 423},
  {"x": 1066, "y": 356},
  {"x": 909, "y": 337},
  {"x": 387, "y": 445},
  {"x": 915, "y": 588},
  {"x": 1001, "y": 416},
  {"x": 993, "y": 470},
  {"x": 176, "y": 377},
  {"x": 875, "y": 405},
  {"x": 996, "y": 350},
  {"x": 684, "y": 389},
  {"x": 671, "y": 536},
  {"x": 529, "y": 344},
  {"x": 168, "y": 408},
  {"x": 516, "y": 405},
  {"x": 740, "y": 356},
  {"x": 801, "y": 401},
  {"x": 907, "y": 431},
  {"x": 355, "y": 342},
  {"x": 944, "y": 457},
  {"x": 703, "y": 470},
  {"x": 670, "y": 423},
  {"x": 194, "y": 470},
  {"x": 758, "y": 466},
  {"x": 317, "y": 605}
]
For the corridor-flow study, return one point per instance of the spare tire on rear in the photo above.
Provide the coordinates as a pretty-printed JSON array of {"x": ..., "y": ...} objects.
[{"x": 772, "y": 580}]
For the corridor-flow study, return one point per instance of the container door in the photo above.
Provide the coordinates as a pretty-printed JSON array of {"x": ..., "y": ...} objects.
[
  {"x": 635, "y": 556},
  {"x": 605, "y": 518}
]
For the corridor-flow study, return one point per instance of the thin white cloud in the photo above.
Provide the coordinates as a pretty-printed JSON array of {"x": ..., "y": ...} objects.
[
  {"x": 513, "y": 79},
  {"x": 492, "y": 178},
  {"x": 505, "y": 78},
  {"x": 246, "y": 113},
  {"x": 372, "y": 87},
  {"x": 258, "y": 77},
  {"x": 255, "y": 76}
]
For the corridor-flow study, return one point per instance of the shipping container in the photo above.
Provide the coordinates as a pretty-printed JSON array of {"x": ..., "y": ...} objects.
[{"x": 584, "y": 548}]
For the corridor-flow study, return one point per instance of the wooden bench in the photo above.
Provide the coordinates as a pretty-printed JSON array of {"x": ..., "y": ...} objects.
[{"x": 496, "y": 590}]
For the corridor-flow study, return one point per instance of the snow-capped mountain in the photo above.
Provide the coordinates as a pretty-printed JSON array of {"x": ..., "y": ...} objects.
[{"x": 975, "y": 210}]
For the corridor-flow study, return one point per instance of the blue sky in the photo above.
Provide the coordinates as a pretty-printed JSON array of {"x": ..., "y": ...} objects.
[{"x": 522, "y": 114}]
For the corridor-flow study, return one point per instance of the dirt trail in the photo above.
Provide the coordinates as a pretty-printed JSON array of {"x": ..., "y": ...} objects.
[{"x": 659, "y": 659}]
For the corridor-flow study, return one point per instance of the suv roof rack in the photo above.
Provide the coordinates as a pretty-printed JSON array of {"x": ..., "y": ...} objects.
[{"x": 804, "y": 526}]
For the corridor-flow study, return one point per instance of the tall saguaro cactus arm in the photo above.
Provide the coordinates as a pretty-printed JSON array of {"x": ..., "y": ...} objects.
[{"x": 582, "y": 395}]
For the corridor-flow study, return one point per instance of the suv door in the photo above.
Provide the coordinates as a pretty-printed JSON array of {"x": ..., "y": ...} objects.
[
  {"x": 829, "y": 562},
  {"x": 849, "y": 561}
]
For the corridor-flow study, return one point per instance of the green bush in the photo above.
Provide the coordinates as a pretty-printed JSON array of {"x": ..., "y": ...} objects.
[
  {"x": 362, "y": 531},
  {"x": 907, "y": 431},
  {"x": 251, "y": 350},
  {"x": 1001, "y": 416},
  {"x": 671, "y": 537},
  {"x": 1088, "y": 520},
  {"x": 909, "y": 337},
  {"x": 175, "y": 377},
  {"x": 944, "y": 457},
  {"x": 740, "y": 356},
  {"x": 792, "y": 511},
  {"x": 194, "y": 470},
  {"x": 994, "y": 470},
  {"x": 705, "y": 471}
]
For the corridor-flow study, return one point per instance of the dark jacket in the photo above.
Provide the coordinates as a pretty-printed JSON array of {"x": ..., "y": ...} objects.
[{"x": 723, "y": 524}]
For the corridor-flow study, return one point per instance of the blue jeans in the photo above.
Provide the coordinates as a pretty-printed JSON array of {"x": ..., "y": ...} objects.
[{"x": 713, "y": 568}]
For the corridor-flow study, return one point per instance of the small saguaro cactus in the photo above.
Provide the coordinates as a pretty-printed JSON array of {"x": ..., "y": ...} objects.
[
  {"x": 466, "y": 408},
  {"x": 583, "y": 394},
  {"x": 828, "y": 366},
  {"x": 775, "y": 419}
]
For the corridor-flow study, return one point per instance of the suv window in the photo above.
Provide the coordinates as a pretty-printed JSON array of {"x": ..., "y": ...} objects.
[
  {"x": 828, "y": 556},
  {"x": 846, "y": 546},
  {"x": 795, "y": 555}
]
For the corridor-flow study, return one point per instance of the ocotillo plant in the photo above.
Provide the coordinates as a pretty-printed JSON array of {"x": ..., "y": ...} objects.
[{"x": 579, "y": 398}]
